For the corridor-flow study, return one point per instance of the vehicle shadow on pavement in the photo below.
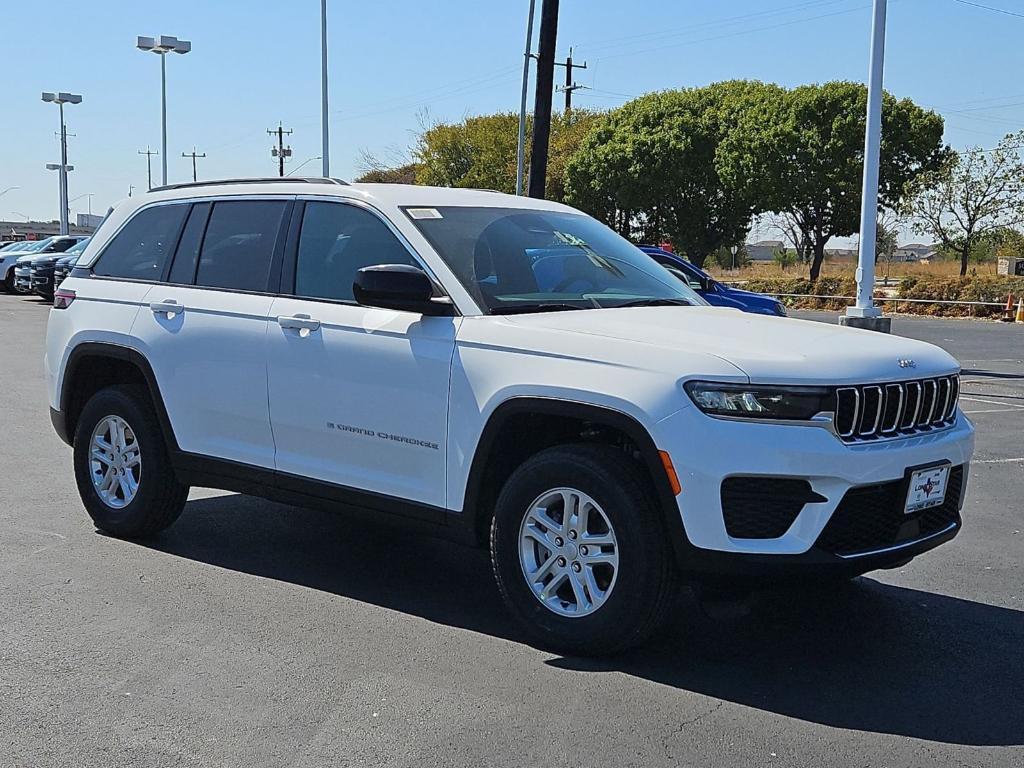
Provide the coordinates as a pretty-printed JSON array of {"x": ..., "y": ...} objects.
[{"x": 864, "y": 656}]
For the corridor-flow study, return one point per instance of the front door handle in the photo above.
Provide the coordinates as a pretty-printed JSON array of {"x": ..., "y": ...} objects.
[
  {"x": 299, "y": 323},
  {"x": 168, "y": 307}
]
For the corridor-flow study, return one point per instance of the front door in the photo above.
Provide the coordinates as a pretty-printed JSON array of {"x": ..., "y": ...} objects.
[{"x": 358, "y": 395}]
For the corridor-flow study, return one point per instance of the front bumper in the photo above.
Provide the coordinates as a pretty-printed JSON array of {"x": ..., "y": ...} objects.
[
  {"x": 705, "y": 451},
  {"x": 23, "y": 280}
]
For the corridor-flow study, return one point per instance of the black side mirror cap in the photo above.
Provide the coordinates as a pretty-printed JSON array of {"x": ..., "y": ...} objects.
[{"x": 399, "y": 286}]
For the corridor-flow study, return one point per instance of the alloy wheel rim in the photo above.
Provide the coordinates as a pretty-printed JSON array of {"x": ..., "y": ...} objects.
[
  {"x": 568, "y": 552},
  {"x": 115, "y": 462}
]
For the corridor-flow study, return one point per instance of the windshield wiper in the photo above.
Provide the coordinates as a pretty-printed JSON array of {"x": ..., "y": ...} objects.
[
  {"x": 522, "y": 309},
  {"x": 652, "y": 303}
]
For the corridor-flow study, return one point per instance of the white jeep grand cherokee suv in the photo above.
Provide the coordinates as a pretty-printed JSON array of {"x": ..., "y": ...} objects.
[{"x": 504, "y": 370}]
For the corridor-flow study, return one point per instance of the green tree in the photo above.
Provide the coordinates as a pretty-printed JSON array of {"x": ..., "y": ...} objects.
[
  {"x": 654, "y": 166},
  {"x": 970, "y": 198},
  {"x": 808, "y": 148},
  {"x": 784, "y": 257},
  {"x": 480, "y": 151},
  {"x": 403, "y": 174}
]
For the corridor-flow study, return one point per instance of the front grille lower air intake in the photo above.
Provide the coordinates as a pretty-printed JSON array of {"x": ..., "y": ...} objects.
[{"x": 874, "y": 411}]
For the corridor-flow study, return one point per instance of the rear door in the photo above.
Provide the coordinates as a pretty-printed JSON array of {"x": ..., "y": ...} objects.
[
  {"x": 358, "y": 395},
  {"x": 204, "y": 329}
]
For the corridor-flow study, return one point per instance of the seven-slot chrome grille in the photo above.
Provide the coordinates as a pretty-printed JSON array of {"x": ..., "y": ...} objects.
[{"x": 874, "y": 411}]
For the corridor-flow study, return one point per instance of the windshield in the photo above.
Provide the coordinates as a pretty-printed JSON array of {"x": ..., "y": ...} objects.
[
  {"x": 12, "y": 247},
  {"x": 38, "y": 245},
  {"x": 513, "y": 259},
  {"x": 77, "y": 248}
]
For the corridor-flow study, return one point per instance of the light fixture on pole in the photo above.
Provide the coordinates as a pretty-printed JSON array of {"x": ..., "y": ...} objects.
[
  {"x": 864, "y": 313},
  {"x": 163, "y": 45},
  {"x": 61, "y": 98},
  {"x": 324, "y": 126}
]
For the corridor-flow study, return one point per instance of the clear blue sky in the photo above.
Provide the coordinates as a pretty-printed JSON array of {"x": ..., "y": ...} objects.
[{"x": 255, "y": 63}]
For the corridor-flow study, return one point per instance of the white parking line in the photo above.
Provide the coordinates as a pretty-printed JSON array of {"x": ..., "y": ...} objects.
[
  {"x": 998, "y": 461},
  {"x": 991, "y": 410},
  {"x": 990, "y": 402}
]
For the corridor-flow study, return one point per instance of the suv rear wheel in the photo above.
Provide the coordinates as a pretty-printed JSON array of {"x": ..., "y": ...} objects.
[
  {"x": 122, "y": 469},
  {"x": 579, "y": 553}
]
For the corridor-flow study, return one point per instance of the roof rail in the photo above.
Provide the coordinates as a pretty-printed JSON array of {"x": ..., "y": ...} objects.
[{"x": 258, "y": 180}]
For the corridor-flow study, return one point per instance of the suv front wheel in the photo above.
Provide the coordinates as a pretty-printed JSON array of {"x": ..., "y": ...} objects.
[
  {"x": 122, "y": 469},
  {"x": 579, "y": 553}
]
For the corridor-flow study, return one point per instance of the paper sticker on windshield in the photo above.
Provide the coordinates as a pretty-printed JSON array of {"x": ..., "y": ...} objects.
[{"x": 424, "y": 213}]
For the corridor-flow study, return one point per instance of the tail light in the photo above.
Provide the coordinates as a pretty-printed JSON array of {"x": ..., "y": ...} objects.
[{"x": 62, "y": 298}]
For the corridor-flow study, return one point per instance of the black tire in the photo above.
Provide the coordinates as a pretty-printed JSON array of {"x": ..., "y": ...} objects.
[
  {"x": 9, "y": 281},
  {"x": 160, "y": 498},
  {"x": 646, "y": 579}
]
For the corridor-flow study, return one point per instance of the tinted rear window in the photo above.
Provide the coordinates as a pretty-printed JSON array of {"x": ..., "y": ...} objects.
[
  {"x": 239, "y": 244},
  {"x": 140, "y": 250}
]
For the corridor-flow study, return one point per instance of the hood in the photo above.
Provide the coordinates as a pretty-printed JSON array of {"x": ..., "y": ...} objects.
[{"x": 767, "y": 349}]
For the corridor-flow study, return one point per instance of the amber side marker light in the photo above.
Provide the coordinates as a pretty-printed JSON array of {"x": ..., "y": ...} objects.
[
  {"x": 62, "y": 298},
  {"x": 670, "y": 471}
]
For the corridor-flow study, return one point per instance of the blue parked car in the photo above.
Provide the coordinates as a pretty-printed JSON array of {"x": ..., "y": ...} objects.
[{"x": 712, "y": 291}]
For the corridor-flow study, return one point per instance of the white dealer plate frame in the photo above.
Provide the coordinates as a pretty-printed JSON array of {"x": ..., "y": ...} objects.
[{"x": 926, "y": 488}]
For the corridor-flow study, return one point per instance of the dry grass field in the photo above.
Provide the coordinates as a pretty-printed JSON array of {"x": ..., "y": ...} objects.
[{"x": 844, "y": 267}]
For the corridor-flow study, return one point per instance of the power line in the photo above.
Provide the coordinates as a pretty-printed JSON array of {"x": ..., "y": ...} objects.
[
  {"x": 280, "y": 151},
  {"x": 990, "y": 8},
  {"x": 193, "y": 154}
]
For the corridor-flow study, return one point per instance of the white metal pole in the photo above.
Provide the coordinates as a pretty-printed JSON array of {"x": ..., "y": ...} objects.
[
  {"x": 63, "y": 176},
  {"x": 163, "y": 115},
  {"x": 521, "y": 147},
  {"x": 324, "y": 128},
  {"x": 865, "y": 306}
]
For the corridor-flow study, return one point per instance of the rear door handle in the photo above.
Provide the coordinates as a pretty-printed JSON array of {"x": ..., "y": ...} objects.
[
  {"x": 299, "y": 323},
  {"x": 167, "y": 307}
]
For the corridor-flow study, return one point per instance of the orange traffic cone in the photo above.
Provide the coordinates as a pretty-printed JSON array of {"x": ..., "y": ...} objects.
[
  {"x": 1020, "y": 311},
  {"x": 1008, "y": 311}
]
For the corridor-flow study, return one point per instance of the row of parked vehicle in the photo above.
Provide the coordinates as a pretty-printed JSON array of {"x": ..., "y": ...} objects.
[{"x": 39, "y": 266}]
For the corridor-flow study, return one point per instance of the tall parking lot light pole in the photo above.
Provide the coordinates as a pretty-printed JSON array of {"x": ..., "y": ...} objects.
[
  {"x": 60, "y": 99},
  {"x": 63, "y": 168},
  {"x": 521, "y": 146},
  {"x": 324, "y": 121},
  {"x": 163, "y": 45},
  {"x": 864, "y": 313}
]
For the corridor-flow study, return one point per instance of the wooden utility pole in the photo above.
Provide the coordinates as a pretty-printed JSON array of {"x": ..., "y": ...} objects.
[
  {"x": 193, "y": 154},
  {"x": 542, "y": 101}
]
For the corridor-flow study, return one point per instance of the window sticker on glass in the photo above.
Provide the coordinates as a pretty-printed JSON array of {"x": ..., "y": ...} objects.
[{"x": 424, "y": 213}]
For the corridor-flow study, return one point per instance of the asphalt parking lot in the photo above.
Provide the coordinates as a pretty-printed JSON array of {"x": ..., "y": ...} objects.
[{"x": 255, "y": 634}]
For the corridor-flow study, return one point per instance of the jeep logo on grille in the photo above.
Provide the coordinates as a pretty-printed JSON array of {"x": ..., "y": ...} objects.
[{"x": 907, "y": 363}]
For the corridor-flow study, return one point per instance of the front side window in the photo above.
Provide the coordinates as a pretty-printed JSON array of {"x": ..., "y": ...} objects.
[
  {"x": 140, "y": 250},
  {"x": 336, "y": 241},
  {"x": 239, "y": 244},
  {"x": 515, "y": 260}
]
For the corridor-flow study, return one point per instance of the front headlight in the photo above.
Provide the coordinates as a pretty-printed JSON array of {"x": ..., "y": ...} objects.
[{"x": 756, "y": 401}]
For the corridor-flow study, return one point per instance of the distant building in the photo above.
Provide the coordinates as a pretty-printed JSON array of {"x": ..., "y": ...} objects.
[
  {"x": 914, "y": 252},
  {"x": 91, "y": 220},
  {"x": 764, "y": 250}
]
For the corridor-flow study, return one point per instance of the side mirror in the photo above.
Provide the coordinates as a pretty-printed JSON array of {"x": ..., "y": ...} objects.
[{"x": 398, "y": 286}]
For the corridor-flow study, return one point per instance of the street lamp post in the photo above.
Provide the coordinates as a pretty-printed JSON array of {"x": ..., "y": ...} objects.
[
  {"x": 162, "y": 46},
  {"x": 864, "y": 313},
  {"x": 60, "y": 99},
  {"x": 521, "y": 146},
  {"x": 63, "y": 168},
  {"x": 324, "y": 122}
]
